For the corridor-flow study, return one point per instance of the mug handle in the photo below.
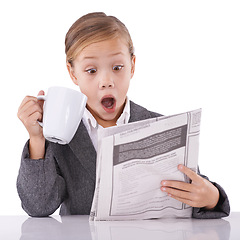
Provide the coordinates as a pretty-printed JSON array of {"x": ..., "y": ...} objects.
[{"x": 41, "y": 97}]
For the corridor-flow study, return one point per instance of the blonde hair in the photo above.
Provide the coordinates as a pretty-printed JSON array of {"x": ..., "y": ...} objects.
[{"x": 92, "y": 28}]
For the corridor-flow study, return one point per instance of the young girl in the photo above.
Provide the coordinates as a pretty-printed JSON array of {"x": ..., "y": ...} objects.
[{"x": 101, "y": 61}]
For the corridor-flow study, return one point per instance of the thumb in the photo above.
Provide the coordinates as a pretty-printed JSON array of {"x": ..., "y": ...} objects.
[
  {"x": 41, "y": 102},
  {"x": 41, "y": 92}
]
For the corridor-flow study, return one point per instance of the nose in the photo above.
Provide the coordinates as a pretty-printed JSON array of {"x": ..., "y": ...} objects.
[{"x": 106, "y": 81}]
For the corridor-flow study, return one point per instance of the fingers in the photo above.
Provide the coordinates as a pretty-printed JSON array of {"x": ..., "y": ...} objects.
[
  {"x": 180, "y": 195},
  {"x": 194, "y": 199},
  {"x": 41, "y": 102},
  {"x": 29, "y": 101},
  {"x": 28, "y": 106},
  {"x": 184, "y": 200},
  {"x": 32, "y": 119},
  {"x": 176, "y": 193},
  {"x": 25, "y": 100},
  {"x": 178, "y": 189},
  {"x": 30, "y": 98},
  {"x": 30, "y": 111},
  {"x": 191, "y": 174},
  {"x": 184, "y": 193},
  {"x": 177, "y": 185},
  {"x": 41, "y": 92},
  {"x": 182, "y": 185}
]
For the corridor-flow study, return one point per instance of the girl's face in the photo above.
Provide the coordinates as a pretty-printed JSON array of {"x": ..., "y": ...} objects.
[{"x": 103, "y": 71}]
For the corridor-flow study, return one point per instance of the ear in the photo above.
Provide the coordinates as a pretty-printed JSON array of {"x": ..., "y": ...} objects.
[
  {"x": 133, "y": 65},
  {"x": 71, "y": 73}
]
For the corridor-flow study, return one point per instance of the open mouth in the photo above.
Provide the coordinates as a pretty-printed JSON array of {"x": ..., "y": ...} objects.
[{"x": 108, "y": 102}]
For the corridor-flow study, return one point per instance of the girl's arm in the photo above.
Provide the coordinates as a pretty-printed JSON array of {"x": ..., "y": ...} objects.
[{"x": 40, "y": 185}]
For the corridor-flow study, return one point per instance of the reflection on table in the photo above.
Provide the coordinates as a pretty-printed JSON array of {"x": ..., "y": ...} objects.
[{"x": 78, "y": 227}]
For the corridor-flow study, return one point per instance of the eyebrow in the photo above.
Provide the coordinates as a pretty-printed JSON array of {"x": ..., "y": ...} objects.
[
  {"x": 93, "y": 57},
  {"x": 117, "y": 53}
]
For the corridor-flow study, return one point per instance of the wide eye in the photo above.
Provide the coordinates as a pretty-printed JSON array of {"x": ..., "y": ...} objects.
[
  {"x": 91, "y": 70},
  {"x": 118, "y": 67}
]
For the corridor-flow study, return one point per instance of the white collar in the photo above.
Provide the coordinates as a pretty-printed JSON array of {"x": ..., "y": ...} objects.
[{"x": 90, "y": 121}]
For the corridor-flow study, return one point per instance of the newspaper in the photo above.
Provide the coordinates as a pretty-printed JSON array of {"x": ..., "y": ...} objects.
[{"x": 134, "y": 158}]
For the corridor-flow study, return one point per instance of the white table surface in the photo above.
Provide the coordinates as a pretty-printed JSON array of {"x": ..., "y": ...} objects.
[{"x": 78, "y": 227}]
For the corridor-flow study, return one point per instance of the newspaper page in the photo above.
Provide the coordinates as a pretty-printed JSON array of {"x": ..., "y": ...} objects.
[{"x": 132, "y": 161}]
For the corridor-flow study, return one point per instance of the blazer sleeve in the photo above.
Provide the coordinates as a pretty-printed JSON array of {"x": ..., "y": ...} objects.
[
  {"x": 222, "y": 208},
  {"x": 40, "y": 186}
]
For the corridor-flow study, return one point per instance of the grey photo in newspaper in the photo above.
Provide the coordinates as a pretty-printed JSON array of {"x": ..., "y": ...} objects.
[{"x": 149, "y": 147}]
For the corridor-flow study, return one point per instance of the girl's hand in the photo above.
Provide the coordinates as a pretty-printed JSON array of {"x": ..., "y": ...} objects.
[
  {"x": 199, "y": 193},
  {"x": 29, "y": 112}
]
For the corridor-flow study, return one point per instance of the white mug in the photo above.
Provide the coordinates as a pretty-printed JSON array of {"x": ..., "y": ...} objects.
[{"x": 62, "y": 113}]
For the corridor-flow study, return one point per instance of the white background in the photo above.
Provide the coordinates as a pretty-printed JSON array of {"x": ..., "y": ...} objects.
[{"x": 188, "y": 57}]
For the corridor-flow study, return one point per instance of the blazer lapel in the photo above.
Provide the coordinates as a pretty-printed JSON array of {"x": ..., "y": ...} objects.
[
  {"x": 82, "y": 147},
  {"x": 138, "y": 113}
]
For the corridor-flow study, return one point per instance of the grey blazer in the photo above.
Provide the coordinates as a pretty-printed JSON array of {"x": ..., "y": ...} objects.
[{"x": 66, "y": 177}]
